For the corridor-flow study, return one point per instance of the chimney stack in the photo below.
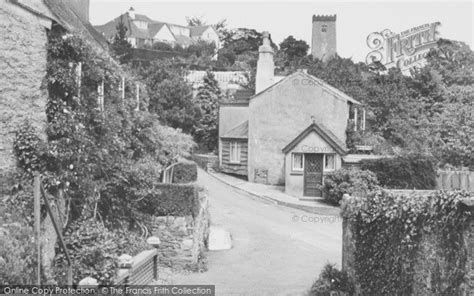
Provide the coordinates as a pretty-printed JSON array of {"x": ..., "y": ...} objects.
[
  {"x": 265, "y": 65},
  {"x": 131, "y": 13}
]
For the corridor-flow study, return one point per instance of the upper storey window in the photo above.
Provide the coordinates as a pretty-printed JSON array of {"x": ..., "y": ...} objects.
[{"x": 324, "y": 28}]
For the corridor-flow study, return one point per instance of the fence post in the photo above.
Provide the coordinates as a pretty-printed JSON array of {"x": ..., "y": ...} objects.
[
  {"x": 37, "y": 212},
  {"x": 138, "y": 98}
]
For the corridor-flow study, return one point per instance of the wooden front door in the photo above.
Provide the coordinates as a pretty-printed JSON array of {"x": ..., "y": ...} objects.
[{"x": 313, "y": 174}]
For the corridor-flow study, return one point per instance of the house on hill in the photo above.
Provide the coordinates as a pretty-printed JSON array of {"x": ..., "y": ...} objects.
[
  {"x": 142, "y": 31},
  {"x": 291, "y": 132}
]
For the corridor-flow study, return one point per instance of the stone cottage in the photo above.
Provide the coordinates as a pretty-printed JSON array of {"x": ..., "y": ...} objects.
[
  {"x": 292, "y": 132},
  {"x": 24, "y": 27}
]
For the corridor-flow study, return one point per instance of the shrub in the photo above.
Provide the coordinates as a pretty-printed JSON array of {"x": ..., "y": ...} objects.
[
  {"x": 412, "y": 171},
  {"x": 351, "y": 181},
  {"x": 332, "y": 280},
  {"x": 17, "y": 255},
  {"x": 185, "y": 172},
  {"x": 162, "y": 46},
  {"x": 94, "y": 251},
  {"x": 172, "y": 200}
]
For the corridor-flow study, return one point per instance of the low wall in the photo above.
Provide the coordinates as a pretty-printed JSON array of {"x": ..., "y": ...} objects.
[
  {"x": 183, "y": 238},
  {"x": 207, "y": 161}
]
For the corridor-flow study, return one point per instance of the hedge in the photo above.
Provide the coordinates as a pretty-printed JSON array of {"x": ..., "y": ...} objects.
[
  {"x": 409, "y": 244},
  {"x": 171, "y": 200},
  {"x": 206, "y": 161},
  {"x": 185, "y": 172},
  {"x": 412, "y": 171}
]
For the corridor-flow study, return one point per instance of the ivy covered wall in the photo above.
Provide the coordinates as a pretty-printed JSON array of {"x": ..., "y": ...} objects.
[{"x": 408, "y": 244}]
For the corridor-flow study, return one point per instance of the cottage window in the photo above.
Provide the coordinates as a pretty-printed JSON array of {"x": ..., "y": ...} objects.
[
  {"x": 297, "y": 161},
  {"x": 234, "y": 152},
  {"x": 329, "y": 162}
]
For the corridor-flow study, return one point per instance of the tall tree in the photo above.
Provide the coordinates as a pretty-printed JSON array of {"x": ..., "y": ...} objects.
[
  {"x": 120, "y": 46},
  {"x": 207, "y": 99},
  {"x": 195, "y": 21},
  {"x": 294, "y": 49}
]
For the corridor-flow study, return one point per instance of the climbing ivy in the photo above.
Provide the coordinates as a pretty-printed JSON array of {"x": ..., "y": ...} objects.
[{"x": 409, "y": 244}]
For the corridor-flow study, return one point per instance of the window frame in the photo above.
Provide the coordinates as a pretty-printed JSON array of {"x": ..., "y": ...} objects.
[
  {"x": 297, "y": 170},
  {"x": 333, "y": 162},
  {"x": 235, "y": 148}
]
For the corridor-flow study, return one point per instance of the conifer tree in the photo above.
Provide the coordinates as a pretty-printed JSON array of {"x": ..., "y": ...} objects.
[
  {"x": 120, "y": 46},
  {"x": 207, "y": 99}
]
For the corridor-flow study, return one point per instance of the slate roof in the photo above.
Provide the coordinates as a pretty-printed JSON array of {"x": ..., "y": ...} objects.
[
  {"x": 68, "y": 18},
  {"x": 241, "y": 131},
  {"x": 328, "y": 87},
  {"x": 324, "y": 133},
  {"x": 109, "y": 29},
  {"x": 198, "y": 30}
]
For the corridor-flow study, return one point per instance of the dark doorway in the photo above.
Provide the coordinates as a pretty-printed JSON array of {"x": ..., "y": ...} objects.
[{"x": 313, "y": 174}]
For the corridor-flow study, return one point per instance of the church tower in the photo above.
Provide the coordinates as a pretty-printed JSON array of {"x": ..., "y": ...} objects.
[{"x": 323, "y": 44}]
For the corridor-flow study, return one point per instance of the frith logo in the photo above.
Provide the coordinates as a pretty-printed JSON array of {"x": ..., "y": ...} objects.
[{"x": 405, "y": 50}]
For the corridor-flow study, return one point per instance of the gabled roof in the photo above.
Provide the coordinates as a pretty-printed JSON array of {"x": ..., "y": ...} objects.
[
  {"x": 68, "y": 18},
  {"x": 155, "y": 28},
  {"x": 337, "y": 93},
  {"x": 109, "y": 29},
  {"x": 241, "y": 131},
  {"x": 324, "y": 133},
  {"x": 197, "y": 31}
]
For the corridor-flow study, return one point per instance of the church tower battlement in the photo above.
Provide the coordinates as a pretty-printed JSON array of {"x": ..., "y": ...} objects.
[{"x": 323, "y": 43}]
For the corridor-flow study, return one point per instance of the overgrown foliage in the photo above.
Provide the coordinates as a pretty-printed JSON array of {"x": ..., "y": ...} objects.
[
  {"x": 94, "y": 250},
  {"x": 185, "y": 172},
  {"x": 350, "y": 181},
  {"x": 18, "y": 264},
  {"x": 332, "y": 280},
  {"x": 409, "y": 245},
  {"x": 106, "y": 157},
  {"x": 411, "y": 171}
]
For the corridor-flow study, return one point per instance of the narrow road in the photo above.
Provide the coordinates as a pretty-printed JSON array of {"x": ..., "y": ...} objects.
[{"x": 276, "y": 250}]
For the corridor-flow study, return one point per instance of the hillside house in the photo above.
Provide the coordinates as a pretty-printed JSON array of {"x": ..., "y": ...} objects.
[{"x": 143, "y": 31}]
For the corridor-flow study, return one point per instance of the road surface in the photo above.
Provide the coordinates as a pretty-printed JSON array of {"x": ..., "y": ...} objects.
[{"x": 276, "y": 250}]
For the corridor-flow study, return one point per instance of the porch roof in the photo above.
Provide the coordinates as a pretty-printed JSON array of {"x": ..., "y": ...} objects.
[{"x": 324, "y": 133}]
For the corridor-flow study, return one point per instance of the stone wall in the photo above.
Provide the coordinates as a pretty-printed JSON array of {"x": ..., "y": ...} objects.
[
  {"x": 183, "y": 238},
  {"x": 23, "y": 94},
  {"x": 429, "y": 257}
]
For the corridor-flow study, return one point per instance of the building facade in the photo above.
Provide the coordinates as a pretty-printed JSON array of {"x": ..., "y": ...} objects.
[
  {"x": 291, "y": 132},
  {"x": 144, "y": 31}
]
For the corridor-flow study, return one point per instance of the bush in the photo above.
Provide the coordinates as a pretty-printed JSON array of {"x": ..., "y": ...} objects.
[
  {"x": 171, "y": 200},
  {"x": 17, "y": 255},
  {"x": 185, "y": 172},
  {"x": 351, "y": 181},
  {"x": 94, "y": 251},
  {"x": 413, "y": 171},
  {"x": 162, "y": 46},
  {"x": 332, "y": 280}
]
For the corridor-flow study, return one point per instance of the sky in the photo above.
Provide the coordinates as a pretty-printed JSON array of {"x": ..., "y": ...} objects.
[{"x": 355, "y": 19}]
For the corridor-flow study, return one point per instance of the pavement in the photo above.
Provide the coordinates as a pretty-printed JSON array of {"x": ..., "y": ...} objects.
[
  {"x": 276, "y": 250},
  {"x": 277, "y": 195}
]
